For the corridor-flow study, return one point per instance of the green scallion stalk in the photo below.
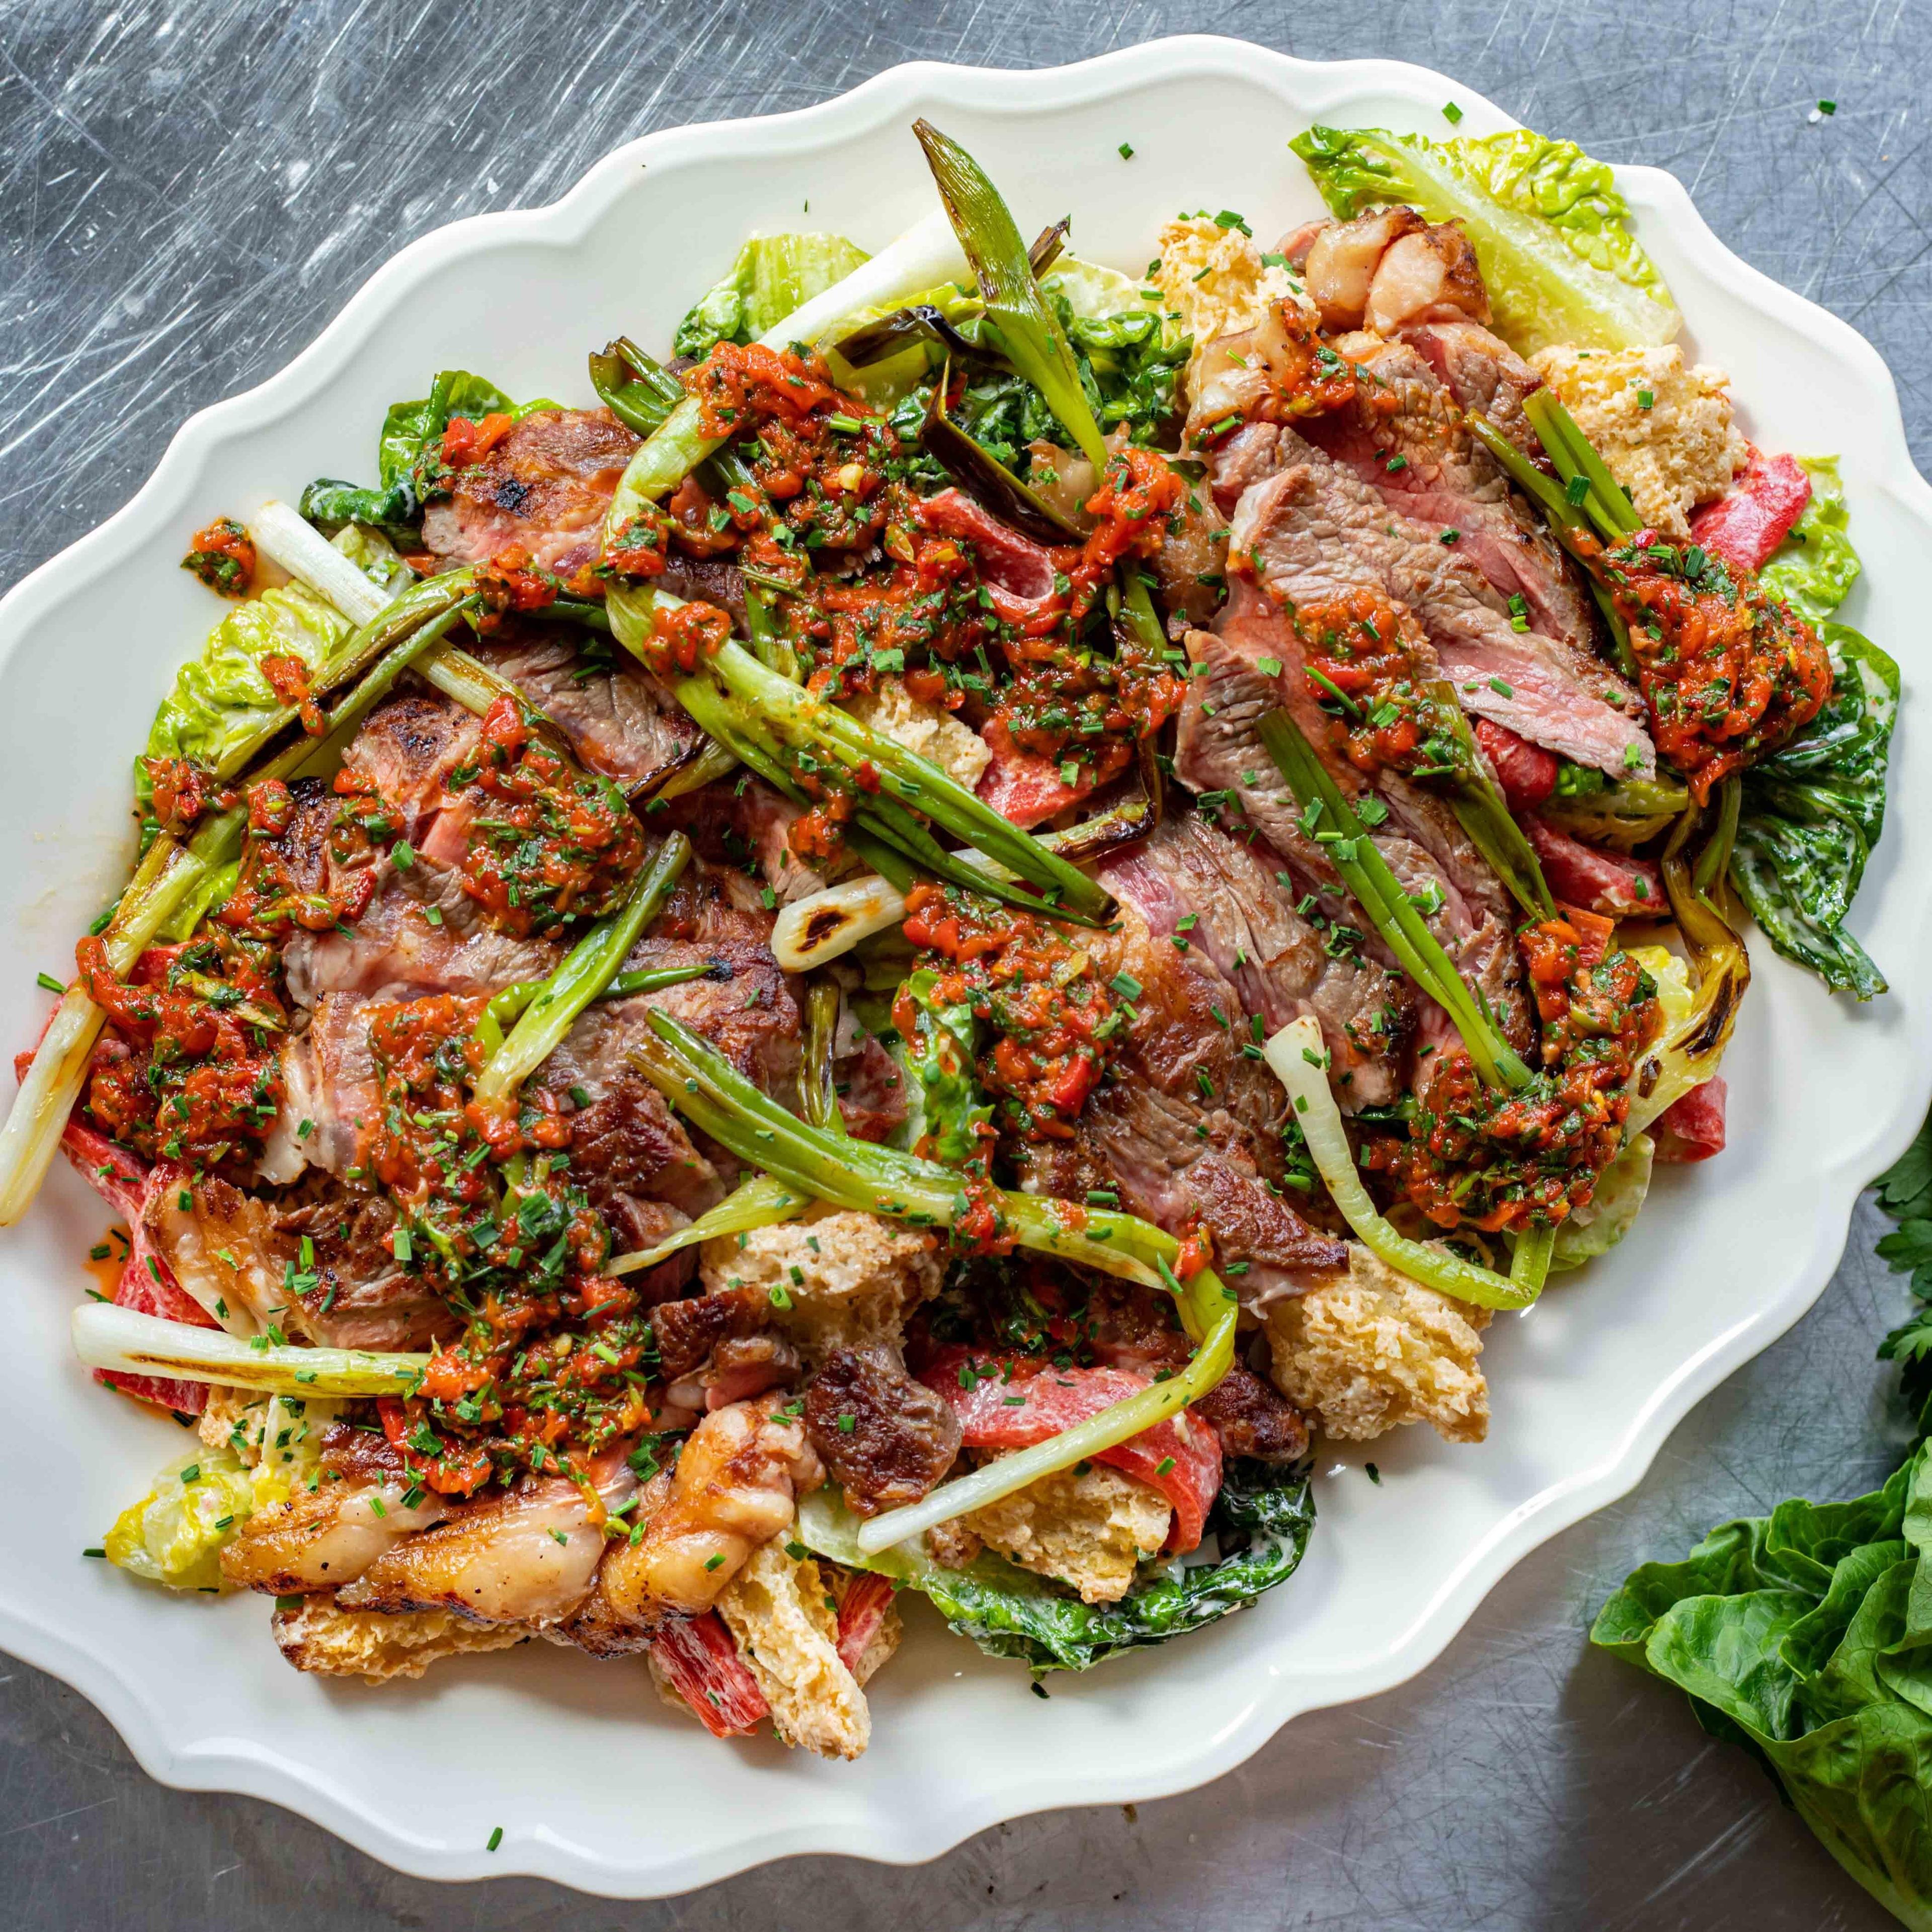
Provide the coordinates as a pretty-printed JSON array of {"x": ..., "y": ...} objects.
[
  {"x": 809, "y": 724},
  {"x": 1367, "y": 874},
  {"x": 592, "y": 963},
  {"x": 106, "y": 1337},
  {"x": 1565, "y": 521},
  {"x": 883, "y": 832},
  {"x": 816, "y": 1089},
  {"x": 1572, "y": 453},
  {"x": 1479, "y": 810},
  {"x": 432, "y": 598},
  {"x": 1028, "y": 329},
  {"x": 1529, "y": 1266},
  {"x": 1301, "y": 1063},
  {"x": 507, "y": 1007},
  {"x": 38, "y": 1117},
  {"x": 759, "y": 1203}
]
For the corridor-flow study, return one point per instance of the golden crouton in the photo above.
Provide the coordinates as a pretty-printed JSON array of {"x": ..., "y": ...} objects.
[
  {"x": 786, "y": 1623},
  {"x": 221, "y": 1426},
  {"x": 840, "y": 1281},
  {"x": 1372, "y": 1349},
  {"x": 1663, "y": 425},
  {"x": 317, "y": 1636},
  {"x": 1214, "y": 280},
  {"x": 929, "y": 730},
  {"x": 1086, "y": 1528}
]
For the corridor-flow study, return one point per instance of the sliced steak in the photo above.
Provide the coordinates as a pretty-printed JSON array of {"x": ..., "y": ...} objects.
[
  {"x": 361, "y": 1297},
  {"x": 1219, "y": 752},
  {"x": 422, "y": 933},
  {"x": 1482, "y": 373},
  {"x": 1188, "y": 1126},
  {"x": 1314, "y": 530},
  {"x": 1253, "y": 1418},
  {"x": 743, "y": 826},
  {"x": 331, "y": 1098},
  {"x": 620, "y": 720},
  {"x": 542, "y": 491},
  {"x": 884, "y": 1437},
  {"x": 1406, "y": 435},
  {"x": 1242, "y": 911}
]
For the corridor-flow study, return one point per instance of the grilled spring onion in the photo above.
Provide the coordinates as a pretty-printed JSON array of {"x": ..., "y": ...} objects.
[
  {"x": 640, "y": 392},
  {"x": 1300, "y": 1062},
  {"x": 1367, "y": 874},
  {"x": 1565, "y": 521},
  {"x": 815, "y": 931},
  {"x": 811, "y": 725},
  {"x": 877, "y": 339},
  {"x": 1572, "y": 455},
  {"x": 305, "y": 554},
  {"x": 1029, "y": 332},
  {"x": 1479, "y": 810},
  {"x": 167, "y": 879},
  {"x": 819, "y": 1096},
  {"x": 507, "y": 1007},
  {"x": 715, "y": 1097},
  {"x": 984, "y": 477},
  {"x": 1689, "y": 1054},
  {"x": 759, "y": 1203},
  {"x": 591, "y": 965},
  {"x": 130, "y": 1343}
]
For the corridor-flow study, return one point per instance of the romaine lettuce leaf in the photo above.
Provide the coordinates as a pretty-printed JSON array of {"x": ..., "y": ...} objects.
[
  {"x": 1812, "y": 813},
  {"x": 174, "y": 1535},
  {"x": 408, "y": 429},
  {"x": 1815, "y": 567},
  {"x": 220, "y": 703},
  {"x": 1614, "y": 1207},
  {"x": 1549, "y": 227},
  {"x": 773, "y": 276},
  {"x": 1258, "y": 1528}
]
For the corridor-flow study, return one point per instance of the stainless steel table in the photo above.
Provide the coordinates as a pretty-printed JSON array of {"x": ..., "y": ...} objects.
[{"x": 190, "y": 190}]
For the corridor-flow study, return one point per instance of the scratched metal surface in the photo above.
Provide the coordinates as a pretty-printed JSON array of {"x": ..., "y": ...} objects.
[{"x": 187, "y": 193}]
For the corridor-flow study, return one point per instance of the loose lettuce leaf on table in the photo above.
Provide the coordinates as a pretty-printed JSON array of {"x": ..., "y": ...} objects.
[
  {"x": 773, "y": 276},
  {"x": 1807, "y": 1636},
  {"x": 1549, "y": 227},
  {"x": 1259, "y": 1527}
]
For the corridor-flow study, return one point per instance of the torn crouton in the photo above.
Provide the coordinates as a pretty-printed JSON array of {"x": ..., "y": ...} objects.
[
  {"x": 317, "y": 1636},
  {"x": 929, "y": 730},
  {"x": 785, "y": 1620},
  {"x": 1370, "y": 1350},
  {"x": 840, "y": 1280},
  {"x": 1087, "y": 1528},
  {"x": 1663, "y": 425},
  {"x": 1214, "y": 280}
]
